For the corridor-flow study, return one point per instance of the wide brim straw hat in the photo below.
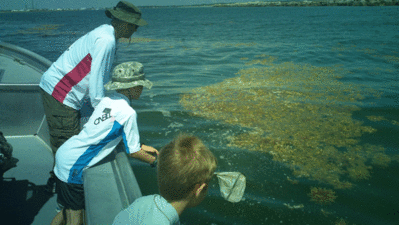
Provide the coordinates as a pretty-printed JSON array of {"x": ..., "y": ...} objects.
[
  {"x": 127, "y": 12},
  {"x": 128, "y": 75}
]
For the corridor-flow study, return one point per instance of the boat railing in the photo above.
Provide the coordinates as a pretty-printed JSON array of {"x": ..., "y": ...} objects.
[{"x": 110, "y": 187}]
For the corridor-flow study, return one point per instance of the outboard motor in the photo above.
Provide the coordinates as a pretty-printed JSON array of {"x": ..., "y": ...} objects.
[{"x": 6, "y": 160}]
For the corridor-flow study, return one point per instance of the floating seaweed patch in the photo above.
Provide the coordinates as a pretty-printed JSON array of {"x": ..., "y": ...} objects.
[
  {"x": 381, "y": 160},
  {"x": 46, "y": 29},
  {"x": 381, "y": 118},
  {"x": 394, "y": 122},
  {"x": 187, "y": 48},
  {"x": 388, "y": 58},
  {"x": 221, "y": 45},
  {"x": 391, "y": 58},
  {"x": 383, "y": 70},
  {"x": 300, "y": 206},
  {"x": 322, "y": 196},
  {"x": 267, "y": 61},
  {"x": 292, "y": 181},
  {"x": 340, "y": 47},
  {"x": 367, "y": 50},
  {"x": 169, "y": 47},
  {"x": 359, "y": 172},
  {"x": 376, "y": 118},
  {"x": 341, "y": 222},
  {"x": 325, "y": 212},
  {"x": 299, "y": 114},
  {"x": 138, "y": 40}
]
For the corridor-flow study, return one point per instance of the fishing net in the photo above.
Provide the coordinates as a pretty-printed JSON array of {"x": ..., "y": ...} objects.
[{"x": 232, "y": 185}]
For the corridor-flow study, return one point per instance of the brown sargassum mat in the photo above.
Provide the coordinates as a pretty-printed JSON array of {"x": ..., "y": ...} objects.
[{"x": 299, "y": 114}]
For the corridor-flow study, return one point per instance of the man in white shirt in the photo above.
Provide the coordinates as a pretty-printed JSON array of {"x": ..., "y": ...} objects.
[
  {"x": 80, "y": 73},
  {"x": 113, "y": 120}
]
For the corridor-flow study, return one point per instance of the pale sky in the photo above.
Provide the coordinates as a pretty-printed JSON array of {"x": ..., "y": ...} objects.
[{"x": 76, "y": 4}]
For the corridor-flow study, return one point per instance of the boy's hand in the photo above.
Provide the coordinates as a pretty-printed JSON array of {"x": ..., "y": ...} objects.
[
  {"x": 146, "y": 154},
  {"x": 149, "y": 150}
]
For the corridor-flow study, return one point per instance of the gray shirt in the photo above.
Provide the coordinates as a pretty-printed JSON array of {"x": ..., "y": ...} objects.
[{"x": 151, "y": 209}]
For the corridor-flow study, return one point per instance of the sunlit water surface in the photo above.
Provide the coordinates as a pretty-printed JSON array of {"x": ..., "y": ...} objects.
[{"x": 303, "y": 101}]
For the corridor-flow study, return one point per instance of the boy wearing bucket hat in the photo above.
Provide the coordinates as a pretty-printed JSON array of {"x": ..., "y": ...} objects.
[
  {"x": 113, "y": 120},
  {"x": 81, "y": 71},
  {"x": 185, "y": 168}
]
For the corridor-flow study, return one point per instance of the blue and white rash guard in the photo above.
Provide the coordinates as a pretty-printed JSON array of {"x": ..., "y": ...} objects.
[{"x": 112, "y": 120}]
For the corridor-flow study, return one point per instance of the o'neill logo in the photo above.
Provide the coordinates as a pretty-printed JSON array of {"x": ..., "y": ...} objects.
[{"x": 106, "y": 115}]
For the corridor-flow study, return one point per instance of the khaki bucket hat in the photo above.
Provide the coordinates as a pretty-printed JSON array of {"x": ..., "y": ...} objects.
[
  {"x": 127, "y": 12},
  {"x": 127, "y": 75}
]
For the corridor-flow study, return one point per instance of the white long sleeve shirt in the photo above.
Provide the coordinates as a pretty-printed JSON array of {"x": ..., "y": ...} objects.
[
  {"x": 112, "y": 120},
  {"x": 83, "y": 69}
]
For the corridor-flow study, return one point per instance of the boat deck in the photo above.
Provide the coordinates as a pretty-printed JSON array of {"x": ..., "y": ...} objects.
[{"x": 23, "y": 199}]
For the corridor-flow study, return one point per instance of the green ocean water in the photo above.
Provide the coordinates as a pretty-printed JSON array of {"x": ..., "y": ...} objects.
[{"x": 183, "y": 49}]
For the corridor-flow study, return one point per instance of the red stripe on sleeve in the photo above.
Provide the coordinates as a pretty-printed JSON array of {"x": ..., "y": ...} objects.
[{"x": 64, "y": 86}]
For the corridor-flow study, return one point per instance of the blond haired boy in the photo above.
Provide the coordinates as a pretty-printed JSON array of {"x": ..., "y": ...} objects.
[{"x": 185, "y": 168}]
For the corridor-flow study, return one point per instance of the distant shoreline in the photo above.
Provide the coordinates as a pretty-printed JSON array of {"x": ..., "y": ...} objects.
[
  {"x": 312, "y": 3},
  {"x": 251, "y": 4}
]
